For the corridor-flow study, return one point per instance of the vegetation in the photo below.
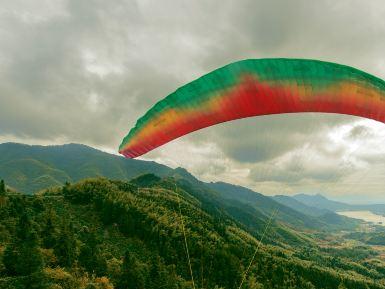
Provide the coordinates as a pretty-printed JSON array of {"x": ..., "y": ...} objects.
[
  {"x": 372, "y": 238},
  {"x": 100, "y": 233},
  {"x": 29, "y": 169},
  {"x": 2, "y": 188}
]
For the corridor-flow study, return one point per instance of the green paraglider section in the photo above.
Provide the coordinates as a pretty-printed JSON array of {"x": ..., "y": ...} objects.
[{"x": 257, "y": 87}]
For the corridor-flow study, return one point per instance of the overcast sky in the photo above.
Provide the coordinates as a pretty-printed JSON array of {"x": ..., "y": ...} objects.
[{"x": 84, "y": 71}]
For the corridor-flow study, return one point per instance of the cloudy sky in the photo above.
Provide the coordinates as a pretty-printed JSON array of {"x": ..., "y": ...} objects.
[{"x": 84, "y": 71}]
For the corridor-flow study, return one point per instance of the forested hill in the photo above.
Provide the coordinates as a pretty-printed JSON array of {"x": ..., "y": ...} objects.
[
  {"x": 113, "y": 234},
  {"x": 296, "y": 216},
  {"x": 30, "y": 168}
]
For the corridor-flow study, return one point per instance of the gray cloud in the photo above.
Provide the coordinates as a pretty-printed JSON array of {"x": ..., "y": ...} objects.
[
  {"x": 84, "y": 71},
  {"x": 263, "y": 138}
]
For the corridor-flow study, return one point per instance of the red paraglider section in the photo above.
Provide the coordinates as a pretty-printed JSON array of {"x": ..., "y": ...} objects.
[{"x": 257, "y": 87}]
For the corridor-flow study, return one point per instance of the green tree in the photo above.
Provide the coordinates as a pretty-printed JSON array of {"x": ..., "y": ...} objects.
[
  {"x": 3, "y": 199},
  {"x": 252, "y": 283},
  {"x": 2, "y": 188},
  {"x": 66, "y": 247},
  {"x": 66, "y": 189},
  {"x": 90, "y": 256},
  {"x": 23, "y": 257},
  {"x": 49, "y": 232},
  {"x": 158, "y": 274},
  {"x": 131, "y": 276}
]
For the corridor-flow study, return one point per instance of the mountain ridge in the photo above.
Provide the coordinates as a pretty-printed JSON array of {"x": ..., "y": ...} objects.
[
  {"x": 72, "y": 161},
  {"x": 299, "y": 206},
  {"x": 321, "y": 202},
  {"x": 56, "y": 165}
]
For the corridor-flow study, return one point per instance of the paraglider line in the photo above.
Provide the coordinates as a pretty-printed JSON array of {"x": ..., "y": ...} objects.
[
  {"x": 185, "y": 239},
  {"x": 273, "y": 214}
]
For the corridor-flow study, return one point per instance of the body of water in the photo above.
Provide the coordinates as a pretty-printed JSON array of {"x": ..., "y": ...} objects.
[{"x": 364, "y": 215}]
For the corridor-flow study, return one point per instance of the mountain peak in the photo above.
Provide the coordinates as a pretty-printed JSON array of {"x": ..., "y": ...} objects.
[
  {"x": 182, "y": 172},
  {"x": 320, "y": 201},
  {"x": 16, "y": 144},
  {"x": 30, "y": 168},
  {"x": 311, "y": 196}
]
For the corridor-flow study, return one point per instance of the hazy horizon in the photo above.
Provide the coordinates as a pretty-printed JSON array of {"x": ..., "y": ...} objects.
[{"x": 349, "y": 199}]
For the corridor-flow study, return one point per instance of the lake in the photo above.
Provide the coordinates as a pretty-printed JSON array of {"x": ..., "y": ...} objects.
[{"x": 364, "y": 215}]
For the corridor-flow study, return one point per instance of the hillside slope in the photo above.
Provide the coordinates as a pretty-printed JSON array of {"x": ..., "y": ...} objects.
[
  {"x": 29, "y": 168},
  {"x": 299, "y": 206},
  {"x": 288, "y": 214},
  {"x": 100, "y": 233},
  {"x": 322, "y": 202},
  {"x": 32, "y": 168}
]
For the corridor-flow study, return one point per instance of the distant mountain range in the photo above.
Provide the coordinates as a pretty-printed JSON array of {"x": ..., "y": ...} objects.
[
  {"x": 224, "y": 222},
  {"x": 292, "y": 202},
  {"x": 287, "y": 213},
  {"x": 29, "y": 169},
  {"x": 317, "y": 205}
]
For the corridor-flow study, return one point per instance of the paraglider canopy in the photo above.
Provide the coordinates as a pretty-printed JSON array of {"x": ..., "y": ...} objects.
[{"x": 257, "y": 87}]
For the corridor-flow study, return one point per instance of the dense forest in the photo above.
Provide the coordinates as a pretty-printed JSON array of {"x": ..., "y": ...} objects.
[{"x": 100, "y": 233}]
